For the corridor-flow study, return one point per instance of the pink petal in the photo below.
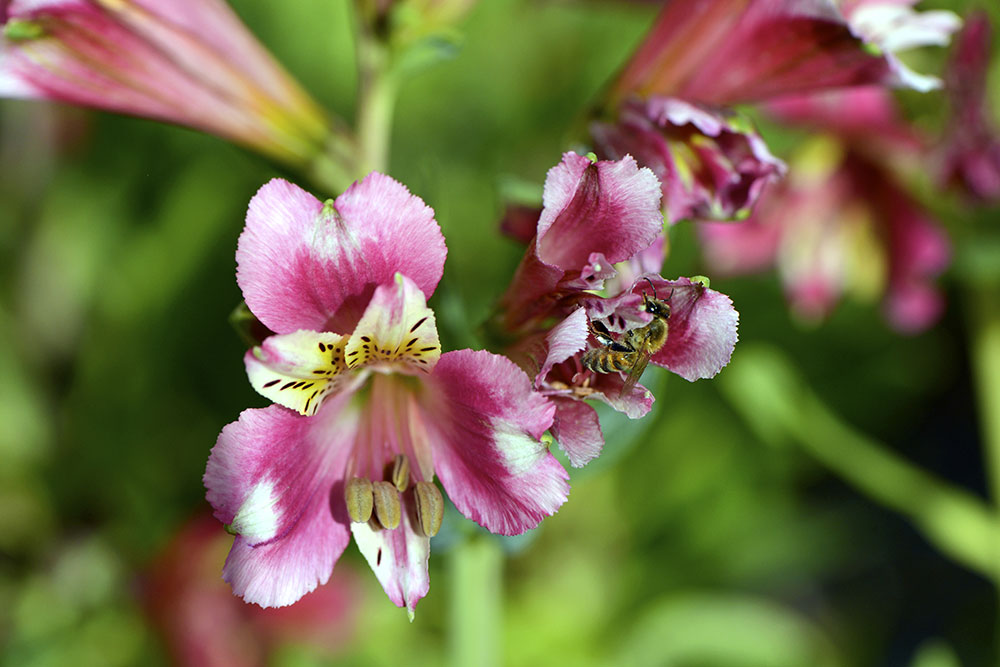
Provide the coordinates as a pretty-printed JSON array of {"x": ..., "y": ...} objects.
[
  {"x": 485, "y": 426},
  {"x": 577, "y": 431},
  {"x": 728, "y": 51},
  {"x": 710, "y": 164},
  {"x": 208, "y": 70},
  {"x": 397, "y": 330},
  {"x": 750, "y": 246},
  {"x": 266, "y": 466},
  {"x": 520, "y": 222},
  {"x": 702, "y": 329},
  {"x": 564, "y": 341},
  {"x": 278, "y": 573},
  {"x": 301, "y": 261},
  {"x": 607, "y": 207},
  {"x": 398, "y": 558},
  {"x": 532, "y": 292},
  {"x": 298, "y": 370}
]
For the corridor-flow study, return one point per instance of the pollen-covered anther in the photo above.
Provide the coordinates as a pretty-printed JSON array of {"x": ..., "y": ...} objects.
[
  {"x": 401, "y": 472},
  {"x": 430, "y": 507},
  {"x": 359, "y": 499},
  {"x": 387, "y": 506}
]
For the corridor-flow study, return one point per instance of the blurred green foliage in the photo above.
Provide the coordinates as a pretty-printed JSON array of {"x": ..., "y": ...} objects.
[{"x": 694, "y": 541}]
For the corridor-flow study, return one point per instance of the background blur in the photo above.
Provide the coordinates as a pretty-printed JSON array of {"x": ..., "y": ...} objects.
[{"x": 698, "y": 538}]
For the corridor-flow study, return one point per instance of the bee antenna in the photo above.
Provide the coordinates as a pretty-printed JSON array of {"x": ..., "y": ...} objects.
[{"x": 652, "y": 286}]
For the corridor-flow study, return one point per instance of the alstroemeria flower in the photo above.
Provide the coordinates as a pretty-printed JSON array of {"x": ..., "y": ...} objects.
[
  {"x": 711, "y": 163},
  {"x": 669, "y": 104},
  {"x": 971, "y": 155},
  {"x": 368, "y": 410},
  {"x": 596, "y": 252},
  {"x": 729, "y": 51},
  {"x": 840, "y": 224},
  {"x": 189, "y": 62}
]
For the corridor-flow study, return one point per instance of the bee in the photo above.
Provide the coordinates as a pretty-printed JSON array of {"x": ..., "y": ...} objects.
[{"x": 635, "y": 348}]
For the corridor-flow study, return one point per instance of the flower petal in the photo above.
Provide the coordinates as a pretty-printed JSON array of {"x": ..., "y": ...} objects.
[
  {"x": 577, "y": 431},
  {"x": 301, "y": 261},
  {"x": 280, "y": 572},
  {"x": 485, "y": 425},
  {"x": 266, "y": 466},
  {"x": 397, "y": 328},
  {"x": 297, "y": 370},
  {"x": 270, "y": 476},
  {"x": 729, "y": 51},
  {"x": 711, "y": 165},
  {"x": 607, "y": 207},
  {"x": 702, "y": 328},
  {"x": 398, "y": 557},
  {"x": 563, "y": 341}
]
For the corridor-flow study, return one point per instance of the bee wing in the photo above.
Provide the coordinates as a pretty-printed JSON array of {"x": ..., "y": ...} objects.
[{"x": 635, "y": 372}]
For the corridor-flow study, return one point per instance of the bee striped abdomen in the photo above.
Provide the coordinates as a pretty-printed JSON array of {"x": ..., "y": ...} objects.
[{"x": 600, "y": 360}]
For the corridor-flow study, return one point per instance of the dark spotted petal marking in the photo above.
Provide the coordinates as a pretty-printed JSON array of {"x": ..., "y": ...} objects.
[
  {"x": 397, "y": 328},
  {"x": 297, "y": 370}
]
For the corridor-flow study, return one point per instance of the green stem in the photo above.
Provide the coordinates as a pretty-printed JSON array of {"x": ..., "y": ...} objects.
[
  {"x": 377, "y": 85},
  {"x": 984, "y": 330},
  {"x": 477, "y": 584},
  {"x": 767, "y": 390}
]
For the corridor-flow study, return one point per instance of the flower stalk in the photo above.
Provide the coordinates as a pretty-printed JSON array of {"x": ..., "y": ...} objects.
[
  {"x": 476, "y": 609},
  {"x": 764, "y": 387}
]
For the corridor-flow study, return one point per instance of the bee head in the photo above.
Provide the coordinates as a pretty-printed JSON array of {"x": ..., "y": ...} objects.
[{"x": 653, "y": 305}]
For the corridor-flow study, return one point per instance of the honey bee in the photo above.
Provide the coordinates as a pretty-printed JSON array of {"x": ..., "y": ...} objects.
[{"x": 633, "y": 351}]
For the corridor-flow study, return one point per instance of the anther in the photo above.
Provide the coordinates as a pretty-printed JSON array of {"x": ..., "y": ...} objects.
[
  {"x": 358, "y": 497},
  {"x": 430, "y": 507},
  {"x": 387, "y": 508},
  {"x": 401, "y": 472}
]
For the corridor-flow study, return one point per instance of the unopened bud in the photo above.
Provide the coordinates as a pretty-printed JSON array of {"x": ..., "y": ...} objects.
[
  {"x": 358, "y": 496},
  {"x": 387, "y": 508},
  {"x": 430, "y": 507},
  {"x": 401, "y": 472}
]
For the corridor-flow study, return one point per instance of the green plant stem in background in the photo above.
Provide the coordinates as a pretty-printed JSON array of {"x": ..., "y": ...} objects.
[
  {"x": 984, "y": 330},
  {"x": 476, "y": 583},
  {"x": 764, "y": 387},
  {"x": 334, "y": 169},
  {"x": 377, "y": 86}
]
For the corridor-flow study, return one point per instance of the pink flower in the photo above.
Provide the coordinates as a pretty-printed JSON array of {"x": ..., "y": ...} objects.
[
  {"x": 971, "y": 155},
  {"x": 368, "y": 410},
  {"x": 701, "y": 57},
  {"x": 203, "y": 625},
  {"x": 728, "y": 51},
  {"x": 842, "y": 223},
  {"x": 599, "y": 233},
  {"x": 711, "y": 164},
  {"x": 189, "y": 62}
]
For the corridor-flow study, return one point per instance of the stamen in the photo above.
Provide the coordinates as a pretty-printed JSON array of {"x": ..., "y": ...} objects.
[
  {"x": 387, "y": 506},
  {"x": 401, "y": 472},
  {"x": 358, "y": 497},
  {"x": 430, "y": 507}
]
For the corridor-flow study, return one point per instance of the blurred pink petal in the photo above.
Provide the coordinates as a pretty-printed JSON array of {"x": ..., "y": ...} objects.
[{"x": 187, "y": 62}]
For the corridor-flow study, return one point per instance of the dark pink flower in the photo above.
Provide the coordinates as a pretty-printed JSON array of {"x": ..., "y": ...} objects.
[
  {"x": 597, "y": 251},
  {"x": 203, "y": 625},
  {"x": 722, "y": 52},
  {"x": 971, "y": 155},
  {"x": 190, "y": 62},
  {"x": 367, "y": 408},
  {"x": 711, "y": 163},
  {"x": 840, "y": 224}
]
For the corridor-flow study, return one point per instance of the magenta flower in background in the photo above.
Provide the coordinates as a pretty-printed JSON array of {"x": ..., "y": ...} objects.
[
  {"x": 971, "y": 151},
  {"x": 597, "y": 249},
  {"x": 711, "y": 163},
  {"x": 189, "y": 62},
  {"x": 203, "y": 625},
  {"x": 670, "y": 105},
  {"x": 368, "y": 410},
  {"x": 842, "y": 222}
]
